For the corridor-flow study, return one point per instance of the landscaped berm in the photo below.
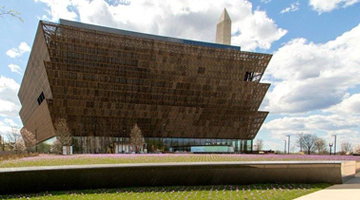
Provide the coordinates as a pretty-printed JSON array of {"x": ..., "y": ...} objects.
[
  {"x": 226, "y": 191},
  {"x": 90, "y": 159}
]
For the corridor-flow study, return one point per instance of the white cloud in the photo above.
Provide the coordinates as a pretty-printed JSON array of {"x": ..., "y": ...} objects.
[
  {"x": 193, "y": 19},
  {"x": 342, "y": 125},
  {"x": 9, "y": 102},
  {"x": 7, "y": 126},
  {"x": 17, "y": 52},
  {"x": 15, "y": 68},
  {"x": 308, "y": 76},
  {"x": 10, "y": 122},
  {"x": 292, "y": 8},
  {"x": 4, "y": 129},
  {"x": 257, "y": 31},
  {"x": 59, "y": 9},
  {"x": 322, "y": 6},
  {"x": 350, "y": 105},
  {"x": 265, "y": 1}
]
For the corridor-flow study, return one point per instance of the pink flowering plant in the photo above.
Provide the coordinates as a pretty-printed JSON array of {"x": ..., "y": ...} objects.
[{"x": 89, "y": 159}]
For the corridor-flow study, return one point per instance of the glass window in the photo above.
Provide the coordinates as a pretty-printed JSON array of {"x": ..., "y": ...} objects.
[
  {"x": 191, "y": 141},
  {"x": 197, "y": 141},
  {"x": 181, "y": 141},
  {"x": 186, "y": 142},
  {"x": 223, "y": 142},
  {"x": 207, "y": 142},
  {"x": 249, "y": 145},
  {"x": 175, "y": 142}
]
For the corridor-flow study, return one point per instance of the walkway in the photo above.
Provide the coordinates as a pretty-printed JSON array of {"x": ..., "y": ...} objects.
[{"x": 347, "y": 191}]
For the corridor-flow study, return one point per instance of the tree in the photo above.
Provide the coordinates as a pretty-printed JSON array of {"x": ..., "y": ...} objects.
[
  {"x": 13, "y": 136},
  {"x": 19, "y": 145},
  {"x": 357, "y": 149},
  {"x": 56, "y": 147},
  {"x": 320, "y": 145},
  {"x": 62, "y": 132},
  {"x": 136, "y": 138},
  {"x": 307, "y": 142},
  {"x": 259, "y": 144},
  {"x": 29, "y": 138},
  {"x": 10, "y": 12},
  {"x": 2, "y": 143},
  {"x": 346, "y": 147}
]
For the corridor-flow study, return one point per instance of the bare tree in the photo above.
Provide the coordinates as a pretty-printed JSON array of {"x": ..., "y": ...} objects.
[
  {"x": 10, "y": 12},
  {"x": 346, "y": 147},
  {"x": 307, "y": 142},
  {"x": 62, "y": 132},
  {"x": 136, "y": 138},
  {"x": 13, "y": 136},
  {"x": 357, "y": 149},
  {"x": 259, "y": 144},
  {"x": 2, "y": 143},
  {"x": 320, "y": 145},
  {"x": 29, "y": 138}
]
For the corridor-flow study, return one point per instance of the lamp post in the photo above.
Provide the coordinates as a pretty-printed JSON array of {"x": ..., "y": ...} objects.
[
  {"x": 330, "y": 145},
  {"x": 284, "y": 146},
  {"x": 334, "y": 144},
  {"x": 36, "y": 140},
  {"x": 288, "y": 144},
  {"x": 162, "y": 135},
  {"x": 122, "y": 141}
]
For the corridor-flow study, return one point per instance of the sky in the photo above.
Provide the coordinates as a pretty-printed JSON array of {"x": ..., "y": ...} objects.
[{"x": 314, "y": 72}]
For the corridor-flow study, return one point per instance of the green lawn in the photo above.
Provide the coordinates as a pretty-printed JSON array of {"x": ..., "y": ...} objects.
[
  {"x": 57, "y": 160},
  {"x": 265, "y": 191}
]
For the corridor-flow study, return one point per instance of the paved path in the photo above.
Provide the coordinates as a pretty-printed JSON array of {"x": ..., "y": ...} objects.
[{"x": 347, "y": 191}]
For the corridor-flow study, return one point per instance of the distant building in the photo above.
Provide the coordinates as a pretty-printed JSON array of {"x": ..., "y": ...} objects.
[{"x": 185, "y": 95}]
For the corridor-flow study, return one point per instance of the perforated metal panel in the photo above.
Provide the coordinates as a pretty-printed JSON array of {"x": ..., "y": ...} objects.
[{"x": 101, "y": 79}]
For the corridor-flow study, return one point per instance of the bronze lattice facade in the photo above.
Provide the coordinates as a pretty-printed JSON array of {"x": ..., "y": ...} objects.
[{"x": 105, "y": 80}]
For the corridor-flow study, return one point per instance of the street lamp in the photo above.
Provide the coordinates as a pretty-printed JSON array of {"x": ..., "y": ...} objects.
[
  {"x": 288, "y": 144},
  {"x": 122, "y": 141},
  {"x": 36, "y": 140},
  {"x": 162, "y": 135},
  {"x": 334, "y": 144},
  {"x": 330, "y": 145}
]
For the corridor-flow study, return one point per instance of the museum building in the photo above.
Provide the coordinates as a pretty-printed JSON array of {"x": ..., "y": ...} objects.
[{"x": 184, "y": 95}]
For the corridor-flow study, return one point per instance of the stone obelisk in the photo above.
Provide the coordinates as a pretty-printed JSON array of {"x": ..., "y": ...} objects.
[{"x": 223, "y": 29}]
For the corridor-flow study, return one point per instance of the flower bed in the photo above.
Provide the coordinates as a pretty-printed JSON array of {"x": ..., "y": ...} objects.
[
  {"x": 86, "y": 159},
  {"x": 16, "y": 155}
]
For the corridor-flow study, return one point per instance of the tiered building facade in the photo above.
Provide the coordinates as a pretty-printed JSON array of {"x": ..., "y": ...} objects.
[{"x": 184, "y": 95}]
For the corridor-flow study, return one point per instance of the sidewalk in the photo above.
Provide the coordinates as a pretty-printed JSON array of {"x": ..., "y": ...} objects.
[{"x": 347, "y": 191}]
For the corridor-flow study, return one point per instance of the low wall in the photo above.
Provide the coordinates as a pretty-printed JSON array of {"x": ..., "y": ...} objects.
[
  {"x": 348, "y": 170},
  {"x": 358, "y": 167},
  {"x": 38, "y": 179}
]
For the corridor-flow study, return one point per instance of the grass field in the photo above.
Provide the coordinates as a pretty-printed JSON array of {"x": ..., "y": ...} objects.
[
  {"x": 87, "y": 159},
  {"x": 265, "y": 191}
]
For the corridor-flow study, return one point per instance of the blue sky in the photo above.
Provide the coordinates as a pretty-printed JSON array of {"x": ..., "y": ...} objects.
[{"x": 315, "y": 70}]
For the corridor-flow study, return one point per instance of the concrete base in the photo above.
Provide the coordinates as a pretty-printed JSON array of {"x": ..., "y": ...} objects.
[{"x": 38, "y": 179}]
